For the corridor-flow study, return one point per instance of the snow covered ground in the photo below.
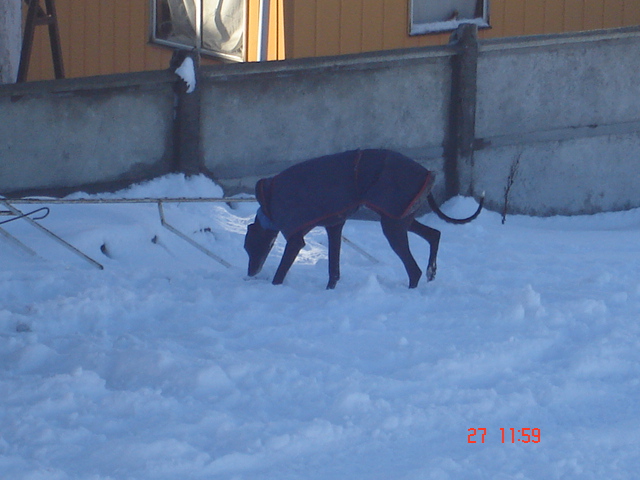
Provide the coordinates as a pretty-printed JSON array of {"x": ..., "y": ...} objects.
[{"x": 167, "y": 365}]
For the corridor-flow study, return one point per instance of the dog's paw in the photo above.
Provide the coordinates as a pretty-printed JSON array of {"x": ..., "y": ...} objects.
[{"x": 431, "y": 273}]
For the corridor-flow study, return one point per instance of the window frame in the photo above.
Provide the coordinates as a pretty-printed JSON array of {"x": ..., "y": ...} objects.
[
  {"x": 442, "y": 26},
  {"x": 153, "y": 38}
]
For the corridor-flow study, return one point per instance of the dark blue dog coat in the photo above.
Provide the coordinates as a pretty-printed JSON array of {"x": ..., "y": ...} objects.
[{"x": 326, "y": 190}]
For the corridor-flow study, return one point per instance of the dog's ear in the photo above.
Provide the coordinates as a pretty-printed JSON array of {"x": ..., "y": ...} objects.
[{"x": 263, "y": 195}]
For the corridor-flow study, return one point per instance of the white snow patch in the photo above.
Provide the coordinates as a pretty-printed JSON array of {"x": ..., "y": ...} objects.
[
  {"x": 187, "y": 72},
  {"x": 166, "y": 365}
]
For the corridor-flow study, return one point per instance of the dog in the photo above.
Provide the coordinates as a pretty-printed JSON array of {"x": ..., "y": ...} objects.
[{"x": 325, "y": 191}]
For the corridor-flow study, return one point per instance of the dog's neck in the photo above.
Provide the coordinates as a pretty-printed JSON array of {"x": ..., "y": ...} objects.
[{"x": 265, "y": 221}]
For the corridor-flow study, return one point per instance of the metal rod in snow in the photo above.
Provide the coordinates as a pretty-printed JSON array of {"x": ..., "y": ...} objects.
[
  {"x": 88, "y": 201},
  {"x": 360, "y": 250},
  {"x": 52, "y": 235},
  {"x": 195, "y": 244},
  {"x": 17, "y": 242}
]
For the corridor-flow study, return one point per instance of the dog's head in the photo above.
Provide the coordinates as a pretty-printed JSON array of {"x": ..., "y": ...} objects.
[{"x": 258, "y": 243}]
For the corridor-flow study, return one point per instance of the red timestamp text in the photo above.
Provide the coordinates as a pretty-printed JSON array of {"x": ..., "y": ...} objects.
[{"x": 507, "y": 435}]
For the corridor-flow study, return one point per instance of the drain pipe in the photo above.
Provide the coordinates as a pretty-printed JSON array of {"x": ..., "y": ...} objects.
[{"x": 263, "y": 34}]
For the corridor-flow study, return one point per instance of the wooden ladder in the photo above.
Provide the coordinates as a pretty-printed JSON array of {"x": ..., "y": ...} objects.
[{"x": 37, "y": 16}]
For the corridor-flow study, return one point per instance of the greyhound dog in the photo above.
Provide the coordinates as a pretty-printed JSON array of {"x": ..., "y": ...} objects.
[{"x": 325, "y": 191}]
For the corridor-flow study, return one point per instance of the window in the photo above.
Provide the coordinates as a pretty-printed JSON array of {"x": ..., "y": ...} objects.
[
  {"x": 214, "y": 27},
  {"x": 430, "y": 16}
]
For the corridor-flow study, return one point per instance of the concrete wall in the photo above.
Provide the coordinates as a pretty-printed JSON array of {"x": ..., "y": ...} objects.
[
  {"x": 85, "y": 133},
  {"x": 563, "y": 114},
  {"x": 258, "y": 119},
  {"x": 557, "y": 122},
  {"x": 10, "y": 39},
  {"x": 251, "y": 120}
]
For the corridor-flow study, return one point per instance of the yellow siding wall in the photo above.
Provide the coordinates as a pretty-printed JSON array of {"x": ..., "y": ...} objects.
[
  {"x": 99, "y": 37},
  {"x": 527, "y": 17},
  {"x": 277, "y": 22},
  {"x": 331, "y": 27},
  {"x": 112, "y": 36}
]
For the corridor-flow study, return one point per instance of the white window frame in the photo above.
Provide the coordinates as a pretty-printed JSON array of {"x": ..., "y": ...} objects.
[
  {"x": 199, "y": 47},
  {"x": 417, "y": 27}
]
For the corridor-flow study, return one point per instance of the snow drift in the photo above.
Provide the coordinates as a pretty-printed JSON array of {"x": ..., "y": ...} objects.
[{"x": 166, "y": 365}]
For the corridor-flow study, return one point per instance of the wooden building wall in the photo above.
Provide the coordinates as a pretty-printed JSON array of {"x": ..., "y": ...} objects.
[
  {"x": 102, "y": 37},
  {"x": 99, "y": 37},
  {"x": 112, "y": 36},
  {"x": 329, "y": 27}
]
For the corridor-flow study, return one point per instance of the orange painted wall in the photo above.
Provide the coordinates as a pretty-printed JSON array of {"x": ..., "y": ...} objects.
[
  {"x": 112, "y": 36},
  {"x": 331, "y": 27},
  {"x": 99, "y": 37}
]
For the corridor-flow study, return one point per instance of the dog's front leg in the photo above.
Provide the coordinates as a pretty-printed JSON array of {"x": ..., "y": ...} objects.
[
  {"x": 334, "y": 233},
  {"x": 294, "y": 245}
]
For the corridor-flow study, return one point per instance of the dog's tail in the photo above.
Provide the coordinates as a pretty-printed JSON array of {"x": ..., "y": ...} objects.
[{"x": 457, "y": 221}]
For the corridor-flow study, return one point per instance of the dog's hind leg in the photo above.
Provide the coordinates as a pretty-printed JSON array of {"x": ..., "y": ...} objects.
[
  {"x": 432, "y": 236},
  {"x": 334, "y": 233},
  {"x": 396, "y": 233},
  {"x": 294, "y": 245}
]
